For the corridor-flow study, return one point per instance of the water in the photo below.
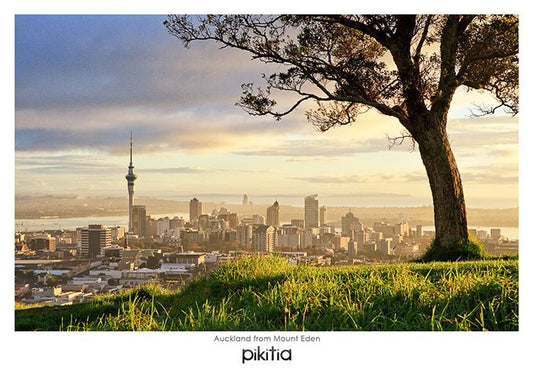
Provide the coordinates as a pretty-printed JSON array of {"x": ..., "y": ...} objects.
[
  {"x": 73, "y": 223},
  {"x": 509, "y": 232}
]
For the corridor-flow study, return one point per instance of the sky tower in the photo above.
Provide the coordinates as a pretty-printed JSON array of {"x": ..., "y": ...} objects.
[{"x": 131, "y": 177}]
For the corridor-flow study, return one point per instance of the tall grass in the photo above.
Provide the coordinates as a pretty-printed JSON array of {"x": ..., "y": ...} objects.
[{"x": 268, "y": 294}]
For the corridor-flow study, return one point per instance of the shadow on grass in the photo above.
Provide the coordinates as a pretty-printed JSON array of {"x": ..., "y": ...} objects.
[{"x": 418, "y": 297}]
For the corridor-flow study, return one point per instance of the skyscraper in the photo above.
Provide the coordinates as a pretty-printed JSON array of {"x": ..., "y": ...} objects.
[
  {"x": 323, "y": 215},
  {"x": 94, "y": 238},
  {"x": 195, "y": 209},
  {"x": 263, "y": 238},
  {"x": 350, "y": 225},
  {"x": 130, "y": 177},
  {"x": 273, "y": 215},
  {"x": 138, "y": 221},
  {"x": 311, "y": 211}
]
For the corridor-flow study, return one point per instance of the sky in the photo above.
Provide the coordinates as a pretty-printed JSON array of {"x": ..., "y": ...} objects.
[{"x": 82, "y": 83}]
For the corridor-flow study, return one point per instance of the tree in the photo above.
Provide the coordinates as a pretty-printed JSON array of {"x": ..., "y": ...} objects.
[{"x": 404, "y": 66}]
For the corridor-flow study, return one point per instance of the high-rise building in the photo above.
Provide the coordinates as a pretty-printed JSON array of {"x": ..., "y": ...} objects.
[
  {"x": 263, "y": 238},
  {"x": 244, "y": 235},
  {"x": 130, "y": 177},
  {"x": 163, "y": 226},
  {"x": 195, "y": 210},
  {"x": 289, "y": 236},
  {"x": 139, "y": 224},
  {"x": 273, "y": 215},
  {"x": 93, "y": 239},
  {"x": 245, "y": 200},
  {"x": 311, "y": 211},
  {"x": 258, "y": 219},
  {"x": 323, "y": 215},
  {"x": 352, "y": 249},
  {"x": 117, "y": 233},
  {"x": 231, "y": 218},
  {"x": 350, "y": 225},
  {"x": 42, "y": 242},
  {"x": 384, "y": 246},
  {"x": 298, "y": 223}
]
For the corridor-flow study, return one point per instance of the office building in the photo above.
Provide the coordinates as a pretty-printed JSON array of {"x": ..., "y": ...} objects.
[
  {"x": 323, "y": 215},
  {"x": 298, "y": 223},
  {"x": 311, "y": 213},
  {"x": 273, "y": 215},
  {"x": 350, "y": 225},
  {"x": 352, "y": 249},
  {"x": 94, "y": 239},
  {"x": 139, "y": 223},
  {"x": 42, "y": 242},
  {"x": 195, "y": 210}
]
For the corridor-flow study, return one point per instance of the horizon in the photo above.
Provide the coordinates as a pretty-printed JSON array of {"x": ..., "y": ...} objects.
[{"x": 236, "y": 199}]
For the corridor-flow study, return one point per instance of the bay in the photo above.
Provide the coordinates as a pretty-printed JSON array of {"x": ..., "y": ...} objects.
[{"x": 73, "y": 223}]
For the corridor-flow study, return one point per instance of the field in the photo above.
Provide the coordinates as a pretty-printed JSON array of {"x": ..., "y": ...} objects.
[{"x": 268, "y": 294}]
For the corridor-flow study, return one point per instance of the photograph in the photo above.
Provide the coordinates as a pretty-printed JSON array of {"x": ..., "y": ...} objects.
[{"x": 266, "y": 187}]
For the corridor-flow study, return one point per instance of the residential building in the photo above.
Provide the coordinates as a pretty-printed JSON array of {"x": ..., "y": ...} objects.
[
  {"x": 273, "y": 215},
  {"x": 244, "y": 235},
  {"x": 163, "y": 226},
  {"x": 263, "y": 238}
]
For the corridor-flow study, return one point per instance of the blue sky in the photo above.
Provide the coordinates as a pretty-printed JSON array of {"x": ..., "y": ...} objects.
[{"x": 83, "y": 82}]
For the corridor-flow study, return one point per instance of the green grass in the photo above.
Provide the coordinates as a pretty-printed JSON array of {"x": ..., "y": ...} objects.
[
  {"x": 472, "y": 249},
  {"x": 270, "y": 295}
]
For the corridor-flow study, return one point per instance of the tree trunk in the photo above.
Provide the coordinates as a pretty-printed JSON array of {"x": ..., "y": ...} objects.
[{"x": 451, "y": 231}]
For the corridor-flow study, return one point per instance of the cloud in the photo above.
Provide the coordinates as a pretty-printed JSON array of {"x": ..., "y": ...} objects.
[
  {"x": 323, "y": 148},
  {"x": 85, "y": 81},
  {"x": 151, "y": 132},
  {"x": 490, "y": 178},
  {"x": 358, "y": 179},
  {"x": 177, "y": 170},
  {"x": 125, "y": 60},
  {"x": 64, "y": 164}
]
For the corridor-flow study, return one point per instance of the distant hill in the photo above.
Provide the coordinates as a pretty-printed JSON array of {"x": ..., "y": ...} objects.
[{"x": 63, "y": 206}]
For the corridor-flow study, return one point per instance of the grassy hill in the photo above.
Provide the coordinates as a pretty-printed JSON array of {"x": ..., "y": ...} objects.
[{"x": 270, "y": 295}]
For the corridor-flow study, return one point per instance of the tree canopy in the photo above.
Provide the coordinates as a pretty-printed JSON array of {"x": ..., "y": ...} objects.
[{"x": 347, "y": 64}]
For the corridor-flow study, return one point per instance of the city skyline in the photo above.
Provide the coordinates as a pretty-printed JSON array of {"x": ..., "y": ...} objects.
[{"x": 84, "y": 82}]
